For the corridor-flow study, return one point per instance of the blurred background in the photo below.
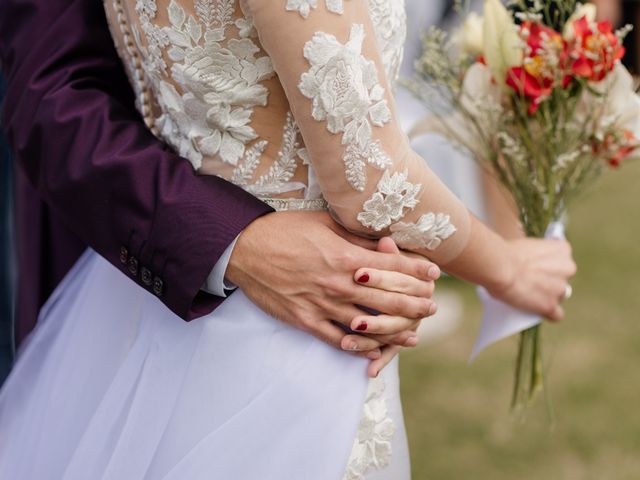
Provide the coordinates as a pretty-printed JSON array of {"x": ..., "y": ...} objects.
[{"x": 457, "y": 415}]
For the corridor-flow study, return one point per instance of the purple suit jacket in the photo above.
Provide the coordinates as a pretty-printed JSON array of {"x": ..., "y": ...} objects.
[{"x": 92, "y": 174}]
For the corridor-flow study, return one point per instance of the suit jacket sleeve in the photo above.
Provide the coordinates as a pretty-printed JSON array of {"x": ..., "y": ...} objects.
[{"x": 69, "y": 116}]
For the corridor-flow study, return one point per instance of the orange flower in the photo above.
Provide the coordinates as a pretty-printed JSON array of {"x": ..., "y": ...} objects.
[
  {"x": 626, "y": 147},
  {"x": 543, "y": 67},
  {"x": 595, "y": 53},
  {"x": 616, "y": 148}
]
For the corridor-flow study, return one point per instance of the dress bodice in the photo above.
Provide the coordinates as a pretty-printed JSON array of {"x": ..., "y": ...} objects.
[
  {"x": 291, "y": 100},
  {"x": 206, "y": 87}
]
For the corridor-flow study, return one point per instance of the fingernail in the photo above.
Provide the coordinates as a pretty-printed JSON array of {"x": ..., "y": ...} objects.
[
  {"x": 353, "y": 347},
  {"x": 362, "y": 327},
  {"x": 433, "y": 272},
  {"x": 364, "y": 278},
  {"x": 433, "y": 309},
  {"x": 411, "y": 342}
]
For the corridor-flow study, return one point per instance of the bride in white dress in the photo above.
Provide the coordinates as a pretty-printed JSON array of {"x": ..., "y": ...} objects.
[{"x": 291, "y": 99}]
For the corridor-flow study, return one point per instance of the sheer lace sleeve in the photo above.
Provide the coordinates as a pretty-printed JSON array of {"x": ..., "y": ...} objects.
[{"x": 329, "y": 64}]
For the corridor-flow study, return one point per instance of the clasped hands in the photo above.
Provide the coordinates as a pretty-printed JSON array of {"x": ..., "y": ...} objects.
[{"x": 304, "y": 269}]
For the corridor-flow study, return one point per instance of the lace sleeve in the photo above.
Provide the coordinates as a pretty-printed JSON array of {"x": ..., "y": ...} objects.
[{"x": 329, "y": 64}]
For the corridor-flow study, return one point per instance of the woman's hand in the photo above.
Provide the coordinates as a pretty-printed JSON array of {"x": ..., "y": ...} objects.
[
  {"x": 540, "y": 276},
  {"x": 394, "y": 331}
]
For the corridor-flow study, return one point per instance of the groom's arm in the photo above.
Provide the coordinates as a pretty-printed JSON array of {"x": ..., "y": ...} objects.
[{"x": 69, "y": 117}]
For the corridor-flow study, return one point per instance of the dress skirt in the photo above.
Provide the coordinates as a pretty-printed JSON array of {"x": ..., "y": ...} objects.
[{"x": 112, "y": 385}]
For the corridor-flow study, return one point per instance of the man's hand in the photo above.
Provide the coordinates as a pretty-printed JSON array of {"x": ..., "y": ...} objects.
[{"x": 304, "y": 269}]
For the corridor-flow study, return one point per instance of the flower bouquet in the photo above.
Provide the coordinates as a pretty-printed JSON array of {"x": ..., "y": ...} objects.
[{"x": 536, "y": 92}]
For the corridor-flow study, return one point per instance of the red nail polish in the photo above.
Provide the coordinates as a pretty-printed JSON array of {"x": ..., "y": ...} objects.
[
  {"x": 362, "y": 327},
  {"x": 364, "y": 278}
]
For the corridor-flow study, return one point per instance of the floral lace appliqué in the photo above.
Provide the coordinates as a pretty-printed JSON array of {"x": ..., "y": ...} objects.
[
  {"x": 343, "y": 86},
  {"x": 372, "y": 446},
  {"x": 387, "y": 205},
  {"x": 277, "y": 178},
  {"x": 305, "y": 6},
  {"x": 146, "y": 7},
  {"x": 208, "y": 110},
  {"x": 427, "y": 233}
]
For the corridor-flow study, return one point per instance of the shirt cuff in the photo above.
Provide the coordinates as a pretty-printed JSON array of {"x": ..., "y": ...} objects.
[{"x": 216, "y": 284}]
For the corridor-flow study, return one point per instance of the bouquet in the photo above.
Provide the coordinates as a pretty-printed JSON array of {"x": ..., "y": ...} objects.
[{"x": 536, "y": 92}]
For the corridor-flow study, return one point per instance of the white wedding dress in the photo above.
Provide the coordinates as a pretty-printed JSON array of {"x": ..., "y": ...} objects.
[{"x": 290, "y": 99}]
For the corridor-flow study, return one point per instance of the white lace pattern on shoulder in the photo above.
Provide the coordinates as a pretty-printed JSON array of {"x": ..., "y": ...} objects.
[
  {"x": 344, "y": 89},
  {"x": 372, "y": 446}
]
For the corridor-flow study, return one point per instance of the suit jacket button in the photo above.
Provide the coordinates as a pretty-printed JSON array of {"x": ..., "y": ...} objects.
[
  {"x": 146, "y": 276},
  {"x": 158, "y": 286},
  {"x": 133, "y": 266},
  {"x": 124, "y": 255}
]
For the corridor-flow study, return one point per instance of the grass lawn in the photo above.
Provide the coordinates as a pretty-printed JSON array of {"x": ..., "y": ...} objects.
[{"x": 457, "y": 415}]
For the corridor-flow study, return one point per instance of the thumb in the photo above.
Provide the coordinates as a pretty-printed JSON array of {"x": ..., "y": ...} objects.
[{"x": 387, "y": 245}]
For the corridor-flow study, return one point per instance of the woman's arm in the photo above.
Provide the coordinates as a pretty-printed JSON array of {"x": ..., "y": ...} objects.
[{"x": 326, "y": 56}]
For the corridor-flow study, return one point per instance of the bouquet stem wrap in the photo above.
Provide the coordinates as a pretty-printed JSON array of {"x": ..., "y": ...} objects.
[{"x": 501, "y": 320}]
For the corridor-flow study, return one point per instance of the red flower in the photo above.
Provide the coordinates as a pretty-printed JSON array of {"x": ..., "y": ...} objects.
[
  {"x": 615, "y": 147},
  {"x": 595, "y": 53},
  {"x": 625, "y": 148},
  {"x": 544, "y": 66},
  {"x": 536, "y": 89}
]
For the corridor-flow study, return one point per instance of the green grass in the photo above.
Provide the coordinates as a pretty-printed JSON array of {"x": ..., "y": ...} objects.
[{"x": 457, "y": 415}]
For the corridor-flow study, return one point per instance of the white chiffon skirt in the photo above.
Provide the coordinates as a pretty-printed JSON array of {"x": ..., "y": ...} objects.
[{"x": 112, "y": 385}]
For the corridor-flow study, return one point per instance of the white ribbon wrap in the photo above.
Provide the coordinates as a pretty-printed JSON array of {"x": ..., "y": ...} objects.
[{"x": 500, "y": 320}]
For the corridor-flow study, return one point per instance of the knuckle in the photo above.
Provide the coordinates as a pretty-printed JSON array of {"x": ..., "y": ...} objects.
[
  {"x": 398, "y": 339},
  {"x": 347, "y": 259},
  {"x": 397, "y": 304},
  {"x": 428, "y": 289},
  {"x": 308, "y": 322},
  {"x": 416, "y": 310},
  {"x": 325, "y": 282},
  {"x": 422, "y": 268},
  {"x": 423, "y": 308},
  {"x": 337, "y": 288}
]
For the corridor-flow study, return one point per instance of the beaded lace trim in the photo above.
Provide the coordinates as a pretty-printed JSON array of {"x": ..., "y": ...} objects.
[{"x": 286, "y": 204}]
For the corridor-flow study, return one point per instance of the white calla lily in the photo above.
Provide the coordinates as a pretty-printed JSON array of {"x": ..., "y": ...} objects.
[
  {"x": 623, "y": 103},
  {"x": 470, "y": 36}
]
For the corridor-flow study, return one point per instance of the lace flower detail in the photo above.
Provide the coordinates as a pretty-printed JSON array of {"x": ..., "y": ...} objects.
[
  {"x": 372, "y": 446},
  {"x": 147, "y": 7},
  {"x": 428, "y": 232},
  {"x": 344, "y": 89},
  {"x": 222, "y": 86},
  {"x": 387, "y": 205},
  {"x": 305, "y": 6}
]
